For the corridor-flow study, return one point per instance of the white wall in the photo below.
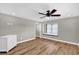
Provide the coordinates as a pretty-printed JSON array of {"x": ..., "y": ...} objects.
[
  {"x": 68, "y": 29},
  {"x": 77, "y": 29},
  {"x": 38, "y": 29},
  {"x": 23, "y": 28}
]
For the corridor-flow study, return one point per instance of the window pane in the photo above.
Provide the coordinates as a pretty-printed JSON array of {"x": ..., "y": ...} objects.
[
  {"x": 48, "y": 28},
  {"x": 55, "y": 29}
]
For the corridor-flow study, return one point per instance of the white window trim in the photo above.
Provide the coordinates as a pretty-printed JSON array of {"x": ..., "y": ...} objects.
[{"x": 51, "y": 34}]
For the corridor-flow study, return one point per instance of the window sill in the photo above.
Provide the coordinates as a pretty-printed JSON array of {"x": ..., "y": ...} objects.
[{"x": 50, "y": 34}]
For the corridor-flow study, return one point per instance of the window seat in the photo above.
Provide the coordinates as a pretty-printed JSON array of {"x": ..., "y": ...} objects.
[{"x": 50, "y": 34}]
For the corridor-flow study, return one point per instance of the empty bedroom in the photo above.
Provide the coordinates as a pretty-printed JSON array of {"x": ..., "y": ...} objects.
[{"x": 39, "y": 28}]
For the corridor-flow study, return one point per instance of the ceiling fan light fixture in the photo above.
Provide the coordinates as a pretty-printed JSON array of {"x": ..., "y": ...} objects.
[
  {"x": 49, "y": 14},
  {"x": 47, "y": 18}
]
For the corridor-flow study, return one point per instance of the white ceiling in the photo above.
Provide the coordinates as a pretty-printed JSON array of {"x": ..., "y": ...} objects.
[{"x": 30, "y": 10}]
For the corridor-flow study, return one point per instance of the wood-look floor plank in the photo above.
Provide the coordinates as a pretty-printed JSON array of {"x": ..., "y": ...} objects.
[{"x": 41, "y": 46}]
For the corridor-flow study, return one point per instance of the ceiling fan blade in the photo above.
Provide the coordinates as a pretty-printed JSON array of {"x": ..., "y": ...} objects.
[
  {"x": 53, "y": 11},
  {"x": 42, "y": 13},
  {"x": 43, "y": 17},
  {"x": 56, "y": 15}
]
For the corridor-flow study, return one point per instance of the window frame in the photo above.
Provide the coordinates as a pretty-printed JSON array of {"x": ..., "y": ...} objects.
[{"x": 51, "y": 30}]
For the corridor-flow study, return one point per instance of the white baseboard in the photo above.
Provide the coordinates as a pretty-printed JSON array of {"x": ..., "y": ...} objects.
[
  {"x": 62, "y": 41},
  {"x": 26, "y": 40},
  {"x": 50, "y": 39}
]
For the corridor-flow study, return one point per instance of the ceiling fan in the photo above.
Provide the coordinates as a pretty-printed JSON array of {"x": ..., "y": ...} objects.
[{"x": 50, "y": 13}]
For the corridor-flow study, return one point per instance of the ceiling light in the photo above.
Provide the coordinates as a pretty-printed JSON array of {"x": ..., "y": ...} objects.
[{"x": 47, "y": 18}]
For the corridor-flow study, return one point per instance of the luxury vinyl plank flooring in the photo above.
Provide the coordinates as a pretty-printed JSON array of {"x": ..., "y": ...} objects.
[{"x": 43, "y": 47}]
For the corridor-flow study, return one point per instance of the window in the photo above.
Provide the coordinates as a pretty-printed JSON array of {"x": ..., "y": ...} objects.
[
  {"x": 48, "y": 28},
  {"x": 52, "y": 29}
]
